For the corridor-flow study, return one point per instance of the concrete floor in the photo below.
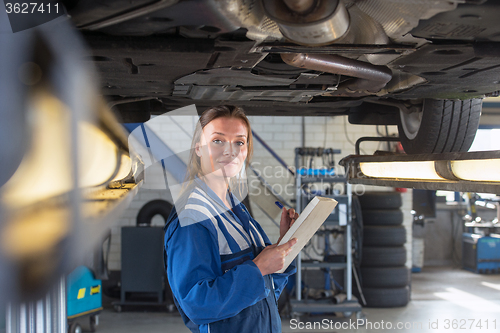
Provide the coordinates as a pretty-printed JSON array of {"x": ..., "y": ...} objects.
[{"x": 443, "y": 300}]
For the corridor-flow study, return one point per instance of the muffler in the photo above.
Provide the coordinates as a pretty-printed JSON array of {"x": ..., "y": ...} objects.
[{"x": 309, "y": 22}]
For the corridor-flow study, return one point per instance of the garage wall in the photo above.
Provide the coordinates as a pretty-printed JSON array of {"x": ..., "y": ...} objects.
[
  {"x": 443, "y": 234},
  {"x": 282, "y": 134}
]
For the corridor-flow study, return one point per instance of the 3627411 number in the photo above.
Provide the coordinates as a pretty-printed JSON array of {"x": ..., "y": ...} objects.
[
  {"x": 467, "y": 324},
  {"x": 31, "y": 8}
]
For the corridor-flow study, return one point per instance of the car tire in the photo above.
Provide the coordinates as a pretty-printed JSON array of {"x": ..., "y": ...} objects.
[
  {"x": 380, "y": 200},
  {"x": 385, "y": 277},
  {"x": 384, "y": 235},
  {"x": 442, "y": 126},
  {"x": 152, "y": 208},
  {"x": 386, "y": 256},
  {"x": 386, "y": 297},
  {"x": 382, "y": 217}
]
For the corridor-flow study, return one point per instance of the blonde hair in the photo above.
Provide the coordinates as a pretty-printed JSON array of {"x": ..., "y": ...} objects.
[{"x": 212, "y": 113}]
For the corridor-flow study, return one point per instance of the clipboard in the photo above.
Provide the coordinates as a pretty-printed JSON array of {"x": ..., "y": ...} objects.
[{"x": 309, "y": 221}]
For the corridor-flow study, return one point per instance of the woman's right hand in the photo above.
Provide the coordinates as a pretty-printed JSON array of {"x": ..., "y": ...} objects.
[{"x": 272, "y": 258}]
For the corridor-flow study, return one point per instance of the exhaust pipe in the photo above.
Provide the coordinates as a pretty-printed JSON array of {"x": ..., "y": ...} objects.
[
  {"x": 300, "y": 6},
  {"x": 370, "y": 77}
]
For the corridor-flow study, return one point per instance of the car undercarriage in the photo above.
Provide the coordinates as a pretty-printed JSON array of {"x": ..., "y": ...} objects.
[{"x": 376, "y": 61}]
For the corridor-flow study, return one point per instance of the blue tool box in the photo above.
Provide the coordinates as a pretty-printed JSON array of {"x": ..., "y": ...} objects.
[
  {"x": 481, "y": 254},
  {"x": 84, "y": 296}
]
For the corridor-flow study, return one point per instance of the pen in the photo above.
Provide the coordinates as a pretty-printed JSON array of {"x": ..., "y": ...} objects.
[{"x": 279, "y": 204}]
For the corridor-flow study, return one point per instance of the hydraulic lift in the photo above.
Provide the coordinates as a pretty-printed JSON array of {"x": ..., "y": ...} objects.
[
  {"x": 464, "y": 172},
  {"x": 460, "y": 172}
]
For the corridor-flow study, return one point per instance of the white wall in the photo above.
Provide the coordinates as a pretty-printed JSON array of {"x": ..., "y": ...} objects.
[{"x": 282, "y": 134}]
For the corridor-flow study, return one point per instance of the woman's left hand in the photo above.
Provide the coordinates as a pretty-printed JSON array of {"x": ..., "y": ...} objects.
[{"x": 288, "y": 217}]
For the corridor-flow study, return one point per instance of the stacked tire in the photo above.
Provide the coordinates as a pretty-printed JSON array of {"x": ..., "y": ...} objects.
[{"x": 385, "y": 279}]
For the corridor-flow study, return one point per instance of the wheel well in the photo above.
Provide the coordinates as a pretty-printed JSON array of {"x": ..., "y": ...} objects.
[{"x": 374, "y": 114}]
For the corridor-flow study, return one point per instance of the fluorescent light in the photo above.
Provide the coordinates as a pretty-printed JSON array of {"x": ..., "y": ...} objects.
[
  {"x": 473, "y": 170},
  {"x": 46, "y": 169},
  {"x": 405, "y": 170},
  {"x": 477, "y": 170},
  {"x": 125, "y": 168},
  {"x": 465, "y": 172},
  {"x": 98, "y": 157}
]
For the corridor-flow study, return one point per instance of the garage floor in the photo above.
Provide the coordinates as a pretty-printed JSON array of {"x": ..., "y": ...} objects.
[{"x": 443, "y": 300}]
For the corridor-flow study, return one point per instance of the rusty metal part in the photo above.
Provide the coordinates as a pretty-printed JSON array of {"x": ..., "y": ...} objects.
[
  {"x": 369, "y": 77},
  {"x": 300, "y": 6},
  {"x": 325, "y": 22}
]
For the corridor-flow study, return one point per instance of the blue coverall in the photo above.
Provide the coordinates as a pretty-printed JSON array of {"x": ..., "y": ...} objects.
[{"x": 208, "y": 256}]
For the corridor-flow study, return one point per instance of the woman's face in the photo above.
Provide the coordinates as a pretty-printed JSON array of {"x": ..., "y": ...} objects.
[{"x": 223, "y": 147}]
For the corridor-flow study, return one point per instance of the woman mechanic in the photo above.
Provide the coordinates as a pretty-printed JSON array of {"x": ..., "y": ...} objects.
[{"x": 220, "y": 263}]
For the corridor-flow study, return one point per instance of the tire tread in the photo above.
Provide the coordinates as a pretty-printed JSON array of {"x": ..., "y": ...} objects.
[
  {"x": 385, "y": 277},
  {"x": 382, "y": 216},
  {"x": 386, "y": 297},
  {"x": 384, "y": 235},
  {"x": 383, "y": 256},
  {"x": 446, "y": 126}
]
